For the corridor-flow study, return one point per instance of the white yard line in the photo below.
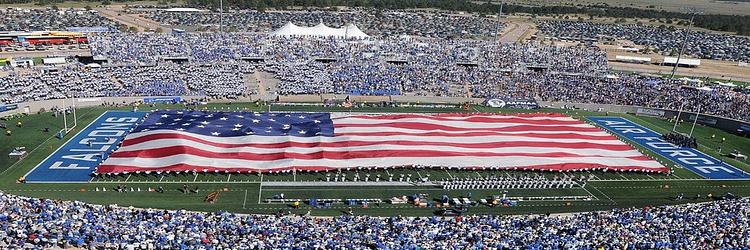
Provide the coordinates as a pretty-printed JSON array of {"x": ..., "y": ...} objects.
[
  {"x": 244, "y": 200},
  {"x": 626, "y": 178},
  {"x": 592, "y": 195},
  {"x": 260, "y": 191},
  {"x": 605, "y": 195},
  {"x": 230, "y": 176},
  {"x": 126, "y": 179},
  {"x": 449, "y": 173}
]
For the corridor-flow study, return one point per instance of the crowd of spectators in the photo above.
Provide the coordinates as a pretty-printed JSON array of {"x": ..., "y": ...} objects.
[
  {"x": 373, "y": 22},
  {"x": 51, "y": 19},
  {"x": 700, "y": 44},
  {"x": 214, "y": 64},
  {"x": 165, "y": 79},
  {"x": 429, "y": 67},
  {"x": 43, "y": 223}
]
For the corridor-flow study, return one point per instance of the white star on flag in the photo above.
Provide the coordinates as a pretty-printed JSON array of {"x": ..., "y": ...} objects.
[
  {"x": 204, "y": 122},
  {"x": 223, "y": 118},
  {"x": 164, "y": 116},
  {"x": 256, "y": 121},
  {"x": 237, "y": 125},
  {"x": 215, "y": 133}
]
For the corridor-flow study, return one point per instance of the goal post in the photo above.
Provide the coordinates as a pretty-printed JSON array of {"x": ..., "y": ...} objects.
[{"x": 67, "y": 128}]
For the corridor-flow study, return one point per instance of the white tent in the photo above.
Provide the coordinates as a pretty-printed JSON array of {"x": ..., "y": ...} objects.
[
  {"x": 352, "y": 30},
  {"x": 348, "y": 31},
  {"x": 726, "y": 84},
  {"x": 53, "y": 60}
]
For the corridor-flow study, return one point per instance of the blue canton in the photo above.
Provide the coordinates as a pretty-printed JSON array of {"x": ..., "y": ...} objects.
[{"x": 228, "y": 124}]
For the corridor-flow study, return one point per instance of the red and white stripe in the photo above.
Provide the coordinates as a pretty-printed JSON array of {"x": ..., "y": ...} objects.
[{"x": 525, "y": 141}]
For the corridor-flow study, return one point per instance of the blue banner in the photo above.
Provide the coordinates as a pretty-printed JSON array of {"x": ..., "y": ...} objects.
[
  {"x": 96, "y": 29},
  {"x": 7, "y": 107},
  {"x": 167, "y": 100},
  {"x": 744, "y": 130},
  {"x": 689, "y": 158},
  {"x": 79, "y": 157}
]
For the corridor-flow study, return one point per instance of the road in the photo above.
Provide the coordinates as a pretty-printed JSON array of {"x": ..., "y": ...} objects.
[
  {"x": 45, "y": 53},
  {"x": 516, "y": 32},
  {"x": 116, "y": 13}
]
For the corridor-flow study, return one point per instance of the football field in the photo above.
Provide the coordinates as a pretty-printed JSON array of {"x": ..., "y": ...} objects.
[{"x": 50, "y": 172}]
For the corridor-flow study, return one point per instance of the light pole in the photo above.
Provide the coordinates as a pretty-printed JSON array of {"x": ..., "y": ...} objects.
[
  {"x": 674, "y": 67},
  {"x": 684, "y": 42},
  {"x": 221, "y": 16}
]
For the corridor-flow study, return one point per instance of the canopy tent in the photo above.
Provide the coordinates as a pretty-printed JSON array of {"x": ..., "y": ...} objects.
[
  {"x": 726, "y": 84},
  {"x": 704, "y": 88},
  {"x": 348, "y": 31}
]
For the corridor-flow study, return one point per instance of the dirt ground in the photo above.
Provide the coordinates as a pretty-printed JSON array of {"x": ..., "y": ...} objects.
[
  {"x": 725, "y": 70},
  {"x": 116, "y": 13},
  {"x": 518, "y": 29}
]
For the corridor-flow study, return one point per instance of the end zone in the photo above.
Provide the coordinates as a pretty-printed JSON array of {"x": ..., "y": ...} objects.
[
  {"x": 689, "y": 158},
  {"x": 75, "y": 160}
]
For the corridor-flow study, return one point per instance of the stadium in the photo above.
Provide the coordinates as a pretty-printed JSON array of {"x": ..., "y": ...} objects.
[{"x": 372, "y": 125}]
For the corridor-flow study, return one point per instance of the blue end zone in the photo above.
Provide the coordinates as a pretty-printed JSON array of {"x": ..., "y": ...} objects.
[
  {"x": 77, "y": 158},
  {"x": 698, "y": 162}
]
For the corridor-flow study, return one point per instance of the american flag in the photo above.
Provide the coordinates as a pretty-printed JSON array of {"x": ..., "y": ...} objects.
[{"x": 261, "y": 142}]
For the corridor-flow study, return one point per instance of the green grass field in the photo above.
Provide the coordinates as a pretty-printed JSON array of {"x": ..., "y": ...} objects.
[{"x": 245, "y": 194}]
